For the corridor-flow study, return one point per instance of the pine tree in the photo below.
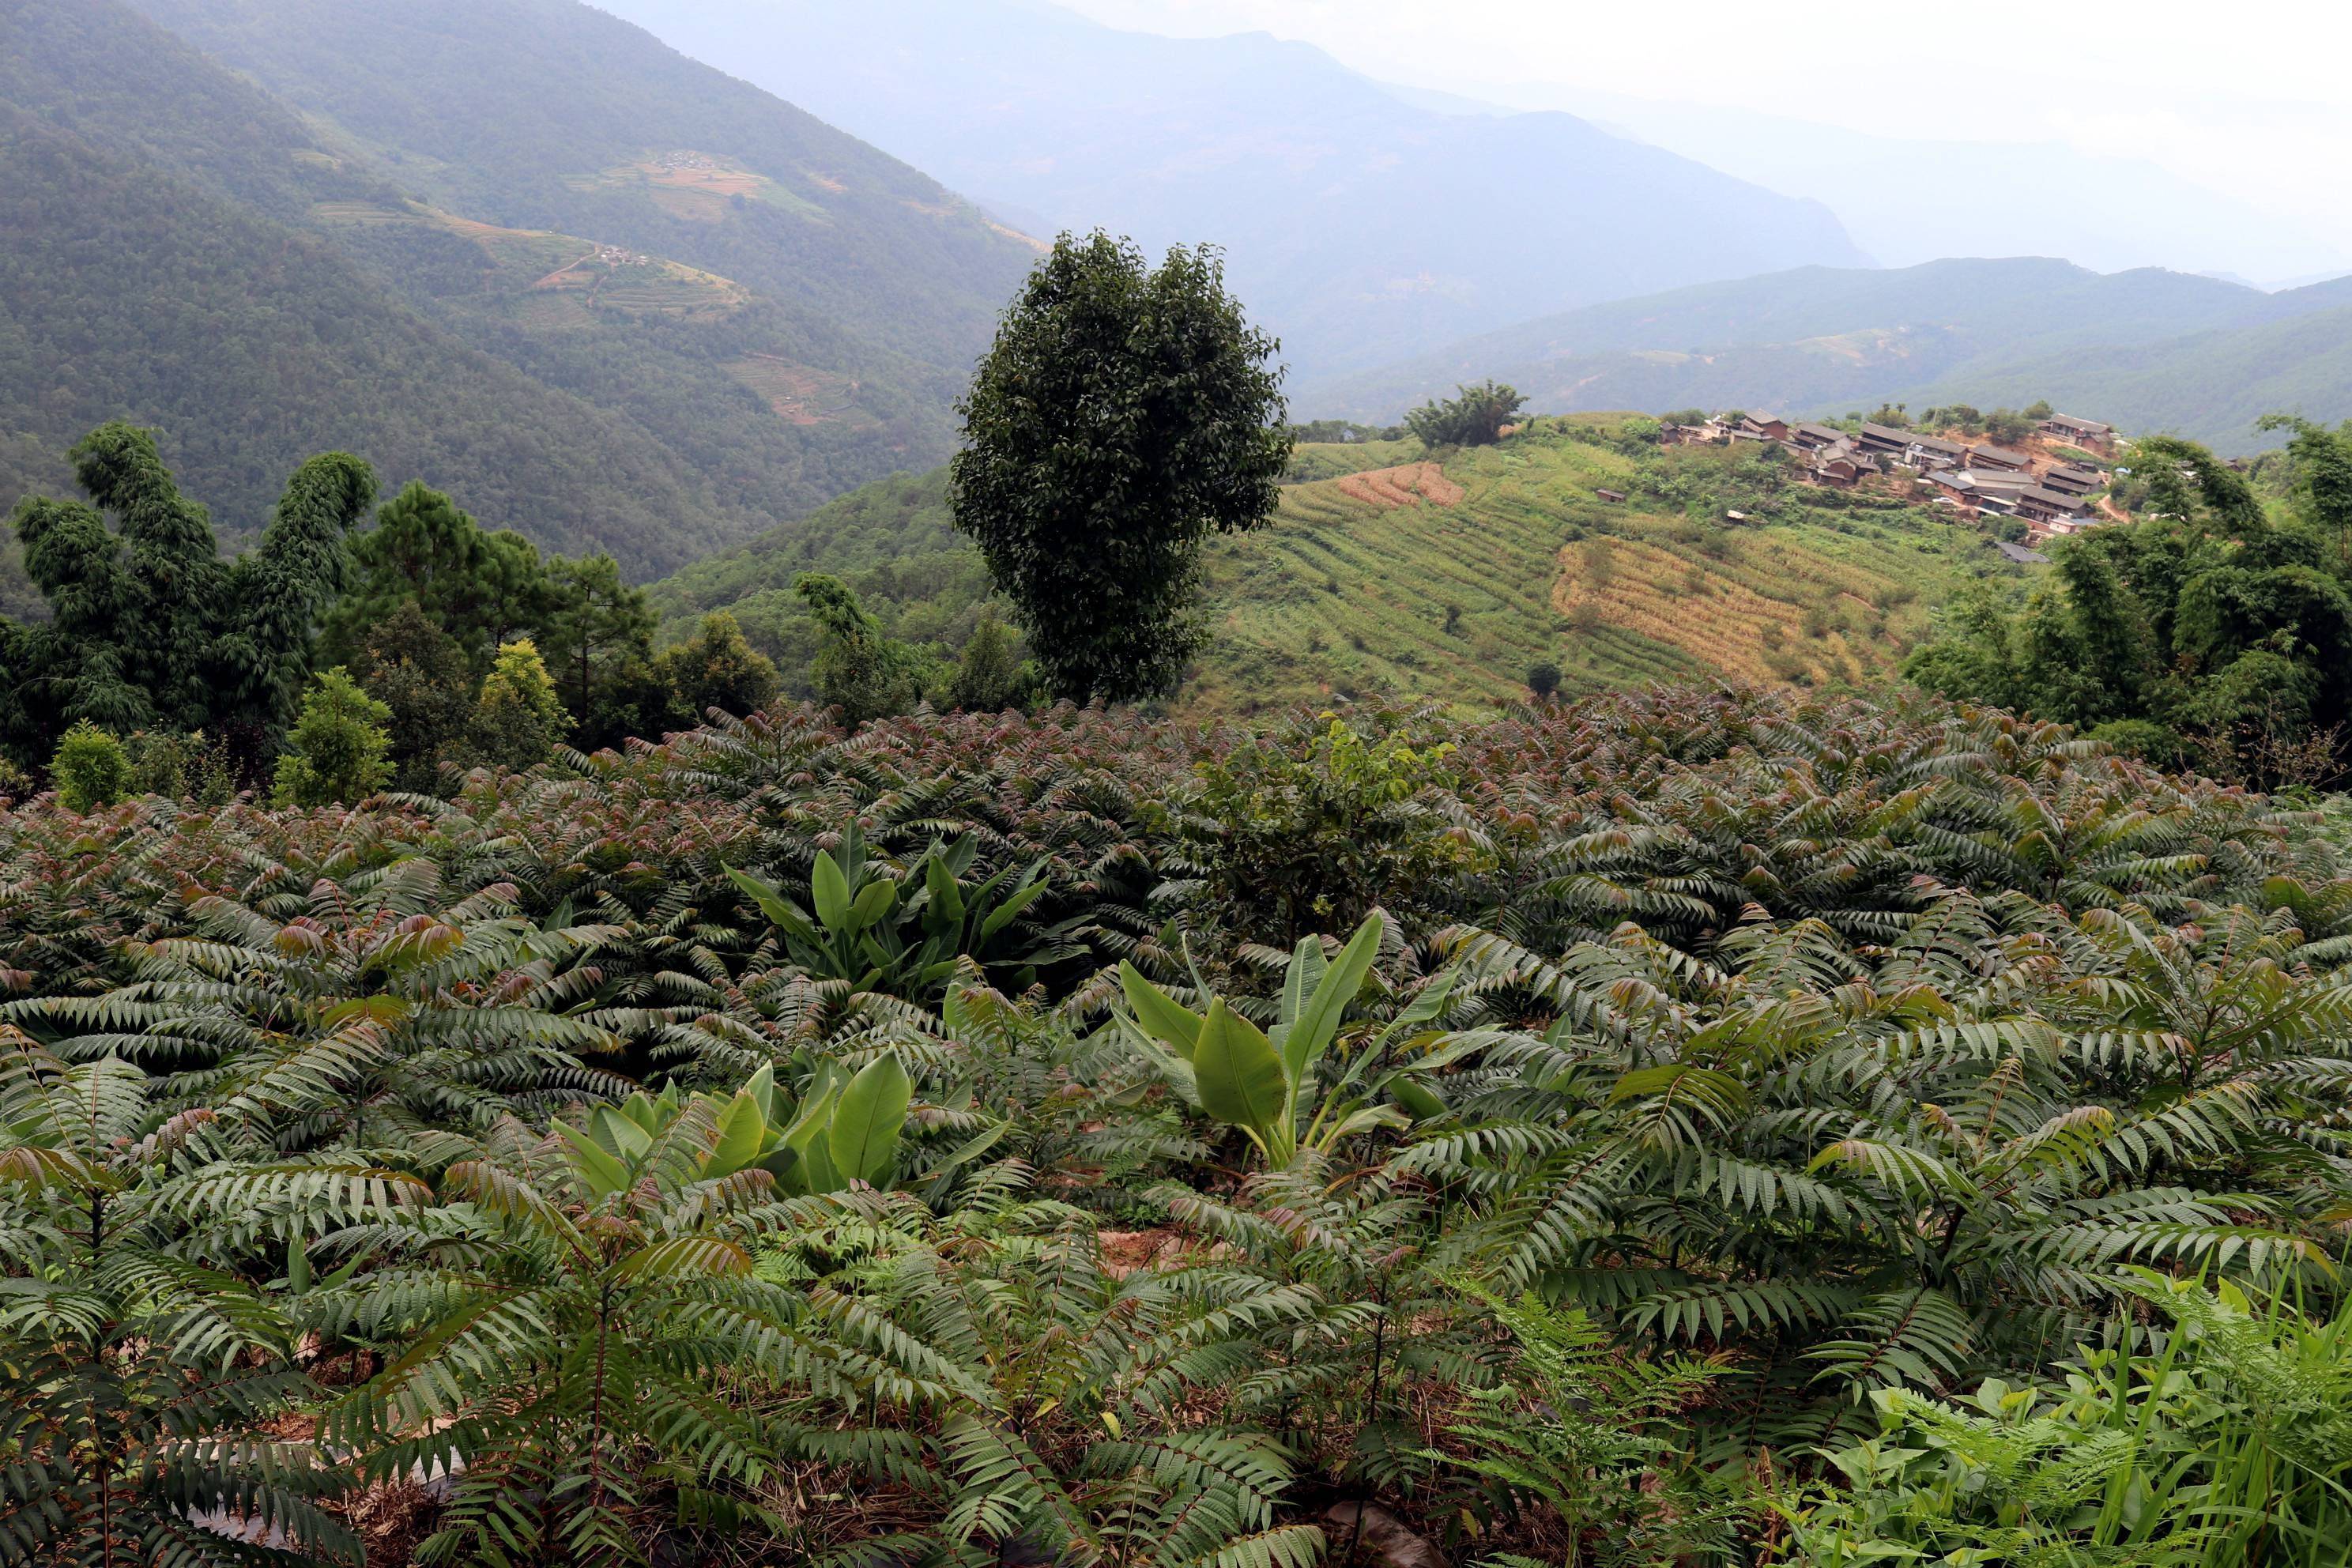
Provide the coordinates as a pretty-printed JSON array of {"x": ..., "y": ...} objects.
[
  {"x": 482, "y": 588},
  {"x": 419, "y": 671},
  {"x": 600, "y": 635}
]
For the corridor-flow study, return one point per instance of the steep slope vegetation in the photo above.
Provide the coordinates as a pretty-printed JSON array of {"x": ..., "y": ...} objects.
[
  {"x": 588, "y": 389},
  {"x": 1360, "y": 228},
  {"x": 1395, "y": 574},
  {"x": 552, "y": 115},
  {"x": 1816, "y": 336},
  {"x": 127, "y": 293},
  {"x": 892, "y": 541}
]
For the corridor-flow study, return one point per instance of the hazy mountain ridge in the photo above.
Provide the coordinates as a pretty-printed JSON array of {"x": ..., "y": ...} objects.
[
  {"x": 1358, "y": 226},
  {"x": 1910, "y": 195},
  {"x": 1820, "y": 338}
]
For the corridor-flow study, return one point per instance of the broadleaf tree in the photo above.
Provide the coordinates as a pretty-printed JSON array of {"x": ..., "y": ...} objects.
[
  {"x": 1125, "y": 414},
  {"x": 150, "y": 627}
]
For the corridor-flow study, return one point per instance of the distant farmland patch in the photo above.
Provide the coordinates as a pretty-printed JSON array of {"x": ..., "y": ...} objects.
[
  {"x": 1398, "y": 576},
  {"x": 561, "y": 280},
  {"x": 702, "y": 188},
  {"x": 1407, "y": 486},
  {"x": 1724, "y": 624},
  {"x": 800, "y": 395}
]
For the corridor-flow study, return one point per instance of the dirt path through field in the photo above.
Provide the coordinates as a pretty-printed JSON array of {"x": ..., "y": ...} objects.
[{"x": 554, "y": 279}]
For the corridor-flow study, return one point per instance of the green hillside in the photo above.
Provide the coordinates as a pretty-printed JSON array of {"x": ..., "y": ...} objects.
[
  {"x": 2210, "y": 386},
  {"x": 552, "y": 115},
  {"x": 1822, "y": 338},
  {"x": 892, "y": 541},
  {"x": 125, "y": 292},
  {"x": 1448, "y": 584},
  {"x": 570, "y": 380},
  {"x": 1396, "y": 576}
]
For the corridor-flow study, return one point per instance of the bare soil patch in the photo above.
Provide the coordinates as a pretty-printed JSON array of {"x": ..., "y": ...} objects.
[{"x": 1409, "y": 484}]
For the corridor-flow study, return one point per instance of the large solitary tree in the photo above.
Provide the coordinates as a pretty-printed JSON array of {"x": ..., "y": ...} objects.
[{"x": 1125, "y": 414}]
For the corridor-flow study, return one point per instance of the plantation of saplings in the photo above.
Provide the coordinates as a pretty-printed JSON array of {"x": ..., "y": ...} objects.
[{"x": 1688, "y": 1127}]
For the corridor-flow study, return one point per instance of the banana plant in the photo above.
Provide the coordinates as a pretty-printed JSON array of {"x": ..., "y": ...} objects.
[
  {"x": 846, "y": 1128},
  {"x": 1267, "y": 1084},
  {"x": 862, "y": 926}
]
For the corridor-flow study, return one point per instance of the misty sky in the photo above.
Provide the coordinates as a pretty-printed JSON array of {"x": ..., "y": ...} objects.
[{"x": 2253, "y": 98}]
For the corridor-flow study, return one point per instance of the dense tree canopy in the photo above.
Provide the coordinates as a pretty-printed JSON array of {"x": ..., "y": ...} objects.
[
  {"x": 1474, "y": 416},
  {"x": 480, "y": 588},
  {"x": 150, "y": 626},
  {"x": 2210, "y": 630},
  {"x": 1125, "y": 414}
]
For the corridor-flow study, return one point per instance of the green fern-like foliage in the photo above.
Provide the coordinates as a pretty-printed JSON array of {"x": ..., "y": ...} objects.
[
  {"x": 366, "y": 1013},
  {"x": 1903, "y": 1175},
  {"x": 143, "y": 1367},
  {"x": 1595, "y": 1439},
  {"x": 552, "y": 1326},
  {"x": 1730, "y": 1082}
]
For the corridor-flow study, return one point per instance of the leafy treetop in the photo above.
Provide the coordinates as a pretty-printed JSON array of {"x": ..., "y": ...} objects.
[{"x": 1125, "y": 414}]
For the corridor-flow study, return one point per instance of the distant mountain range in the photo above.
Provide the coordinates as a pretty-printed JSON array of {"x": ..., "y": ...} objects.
[
  {"x": 517, "y": 249},
  {"x": 2148, "y": 350},
  {"x": 1953, "y": 185},
  {"x": 1360, "y": 226}
]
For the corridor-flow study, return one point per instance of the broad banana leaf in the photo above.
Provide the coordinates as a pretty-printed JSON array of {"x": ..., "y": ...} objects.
[
  {"x": 830, "y": 889},
  {"x": 598, "y": 1171},
  {"x": 743, "y": 1136},
  {"x": 1241, "y": 1081},
  {"x": 1160, "y": 1015},
  {"x": 1318, "y": 1019},
  {"x": 864, "y": 1137},
  {"x": 775, "y": 906}
]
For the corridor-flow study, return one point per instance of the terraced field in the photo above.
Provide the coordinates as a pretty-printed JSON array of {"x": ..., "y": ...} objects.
[
  {"x": 702, "y": 188},
  {"x": 551, "y": 279},
  {"x": 800, "y": 394},
  {"x": 1448, "y": 586}
]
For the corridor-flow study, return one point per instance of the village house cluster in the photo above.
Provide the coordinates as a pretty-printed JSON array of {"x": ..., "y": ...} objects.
[{"x": 2049, "y": 495}]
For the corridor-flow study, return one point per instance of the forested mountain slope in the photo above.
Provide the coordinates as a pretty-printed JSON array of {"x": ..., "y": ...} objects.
[
  {"x": 1805, "y": 339},
  {"x": 552, "y": 115},
  {"x": 184, "y": 243},
  {"x": 1360, "y": 226},
  {"x": 126, "y": 292},
  {"x": 2210, "y": 386}
]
